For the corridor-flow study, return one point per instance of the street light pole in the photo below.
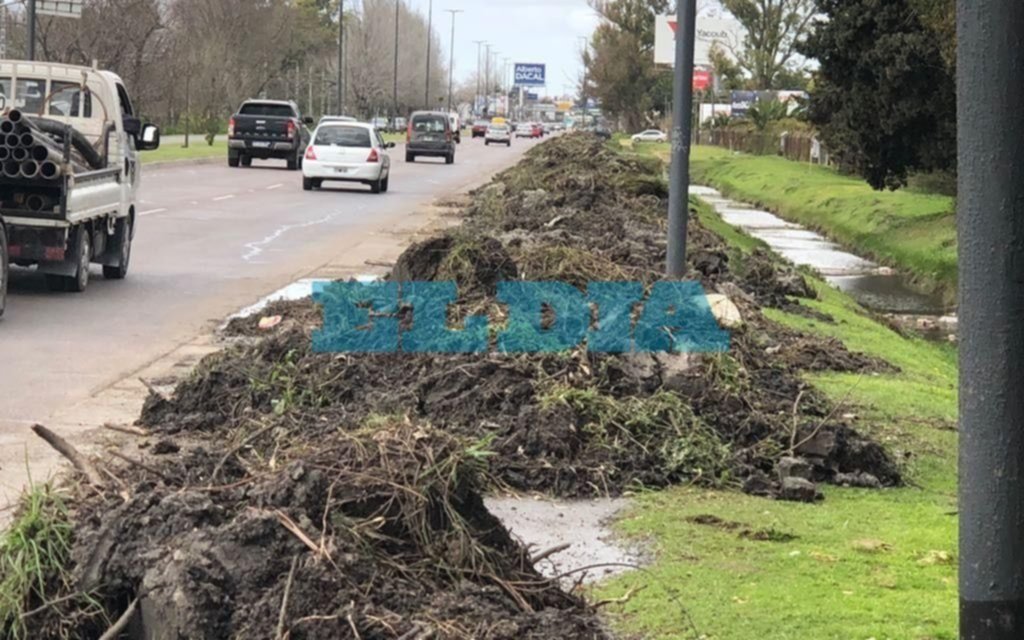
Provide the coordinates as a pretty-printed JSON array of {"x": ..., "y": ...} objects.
[
  {"x": 990, "y": 87},
  {"x": 479, "y": 49},
  {"x": 451, "y": 61},
  {"x": 487, "y": 79},
  {"x": 341, "y": 57},
  {"x": 430, "y": 29},
  {"x": 31, "y": 29},
  {"x": 586, "y": 76},
  {"x": 679, "y": 177},
  {"x": 398, "y": 7}
]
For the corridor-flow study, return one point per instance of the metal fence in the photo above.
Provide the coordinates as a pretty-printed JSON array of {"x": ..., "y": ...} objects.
[{"x": 799, "y": 147}]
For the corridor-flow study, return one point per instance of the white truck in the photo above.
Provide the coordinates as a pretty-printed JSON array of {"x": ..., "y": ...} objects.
[{"x": 69, "y": 172}]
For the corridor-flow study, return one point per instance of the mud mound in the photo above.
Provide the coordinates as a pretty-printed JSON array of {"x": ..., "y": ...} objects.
[
  {"x": 372, "y": 535},
  {"x": 571, "y": 424}
]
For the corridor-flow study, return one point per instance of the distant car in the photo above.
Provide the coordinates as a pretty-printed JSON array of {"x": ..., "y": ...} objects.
[
  {"x": 399, "y": 125},
  {"x": 602, "y": 132},
  {"x": 498, "y": 134},
  {"x": 347, "y": 152},
  {"x": 525, "y": 130},
  {"x": 480, "y": 128},
  {"x": 381, "y": 124},
  {"x": 324, "y": 119},
  {"x": 651, "y": 135},
  {"x": 430, "y": 134},
  {"x": 453, "y": 119},
  {"x": 538, "y": 130},
  {"x": 546, "y": 129}
]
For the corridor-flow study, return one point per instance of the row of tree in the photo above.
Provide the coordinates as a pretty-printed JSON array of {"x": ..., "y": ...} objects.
[{"x": 204, "y": 57}]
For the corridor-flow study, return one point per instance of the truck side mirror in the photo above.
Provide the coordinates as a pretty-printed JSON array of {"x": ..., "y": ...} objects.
[
  {"x": 149, "y": 140},
  {"x": 132, "y": 126},
  {"x": 307, "y": 120}
]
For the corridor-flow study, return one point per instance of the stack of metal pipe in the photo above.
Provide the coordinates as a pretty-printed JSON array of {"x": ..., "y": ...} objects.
[{"x": 28, "y": 152}]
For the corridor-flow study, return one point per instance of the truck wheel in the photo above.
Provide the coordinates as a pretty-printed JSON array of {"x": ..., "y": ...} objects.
[
  {"x": 124, "y": 238},
  {"x": 293, "y": 163},
  {"x": 233, "y": 159},
  {"x": 409, "y": 157},
  {"x": 450, "y": 159},
  {"x": 4, "y": 271},
  {"x": 83, "y": 254},
  {"x": 246, "y": 161}
]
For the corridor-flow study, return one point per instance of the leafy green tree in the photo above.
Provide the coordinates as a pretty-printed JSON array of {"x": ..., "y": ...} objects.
[
  {"x": 884, "y": 99},
  {"x": 620, "y": 64},
  {"x": 774, "y": 30},
  {"x": 766, "y": 111}
]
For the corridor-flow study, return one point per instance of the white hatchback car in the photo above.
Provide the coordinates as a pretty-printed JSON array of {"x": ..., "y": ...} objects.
[
  {"x": 347, "y": 152},
  {"x": 498, "y": 134},
  {"x": 651, "y": 135}
]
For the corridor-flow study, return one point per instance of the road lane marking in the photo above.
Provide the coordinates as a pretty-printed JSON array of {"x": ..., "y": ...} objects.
[
  {"x": 220, "y": 198},
  {"x": 256, "y": 248},
  {"x": 152, "y": 211},
  {"x": 275, "y": 186}
]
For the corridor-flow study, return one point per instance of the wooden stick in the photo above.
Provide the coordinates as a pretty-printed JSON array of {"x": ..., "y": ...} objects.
[
  {"x": 140, "y": 464},
  {"x": 550, "y": 552},
  {"x": 129, "y": 430},
  {"x": 284, "y": 599},
  {"x": 64, "y": 448},
  {"x": 153, "y": 389},
  {"x": 122, "y": 622}
]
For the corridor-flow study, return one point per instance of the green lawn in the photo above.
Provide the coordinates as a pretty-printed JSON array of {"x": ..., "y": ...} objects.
[
  {"x": 914, "y": 232},
  {"x": 863, "y": 564},
  {"x": 197, "y": 150}
]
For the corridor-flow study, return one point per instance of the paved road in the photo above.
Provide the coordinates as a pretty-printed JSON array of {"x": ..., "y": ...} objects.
[{"x": 210, "y": 241}]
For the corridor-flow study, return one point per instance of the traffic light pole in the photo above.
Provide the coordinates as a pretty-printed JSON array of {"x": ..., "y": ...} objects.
[
  {"x": 682, "y": 113},
  {"x": 990, "y": 220}
]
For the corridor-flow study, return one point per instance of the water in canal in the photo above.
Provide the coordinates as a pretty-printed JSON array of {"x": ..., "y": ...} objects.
[{"x": 873, "y": 286}]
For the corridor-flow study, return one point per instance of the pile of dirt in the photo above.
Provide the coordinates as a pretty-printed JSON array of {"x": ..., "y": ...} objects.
[
  {"x": 571, "y": 424},
  {"x": 294, "y": 494},
  {"x": 380, "y": 534}
]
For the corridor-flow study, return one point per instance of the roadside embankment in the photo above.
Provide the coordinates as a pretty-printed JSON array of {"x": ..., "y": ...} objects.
[{"x": 913, "y": 232}]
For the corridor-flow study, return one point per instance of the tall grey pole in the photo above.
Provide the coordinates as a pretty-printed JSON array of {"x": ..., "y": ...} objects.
[
  {"x": 31, "y": 29},
  {"x": 451, "y": 61},
  {"x": 679, "y": 177},
  {"x": 430, "y": 33},
  {"x": 341, "y": 57},
  {"x": 398, "y": 7},
  {"x": 990, "y": 221},
  {"x": 476, "y": 99},
  {"x": 487, "y": 80}
]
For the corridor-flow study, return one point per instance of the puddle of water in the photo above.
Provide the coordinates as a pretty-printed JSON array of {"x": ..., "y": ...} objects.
[
  {"x": 862, "y": 279},
  {"x": 584, "y": 525}
]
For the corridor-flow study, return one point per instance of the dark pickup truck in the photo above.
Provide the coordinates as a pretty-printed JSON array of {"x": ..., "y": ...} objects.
[{"x": 267, "y": 129}]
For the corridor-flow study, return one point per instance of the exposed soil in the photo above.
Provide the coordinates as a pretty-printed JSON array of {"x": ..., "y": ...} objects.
[{"x": 341, "y": 493}]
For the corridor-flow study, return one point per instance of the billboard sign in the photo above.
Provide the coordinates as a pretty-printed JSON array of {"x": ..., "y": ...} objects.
[
  {"x": 742, "y": 101},
  {"x": 726, "y": 34},
  {"x": 60, "y": 8},
  {"x": 530, "y": 75}
]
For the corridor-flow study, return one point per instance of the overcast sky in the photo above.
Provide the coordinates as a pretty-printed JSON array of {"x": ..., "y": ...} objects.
[{"x": 539, "y": 31}]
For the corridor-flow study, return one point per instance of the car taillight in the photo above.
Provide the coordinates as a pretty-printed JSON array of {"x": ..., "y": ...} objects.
[
  {"x": 374, "y": 156},
  {"x": 231, "y": 128},
  {"x": 310, "y": 153},
  {"x": 448, "y": 135},
  {"x": 408, "y": 133},
  {"x": 291, "y": 129}
]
